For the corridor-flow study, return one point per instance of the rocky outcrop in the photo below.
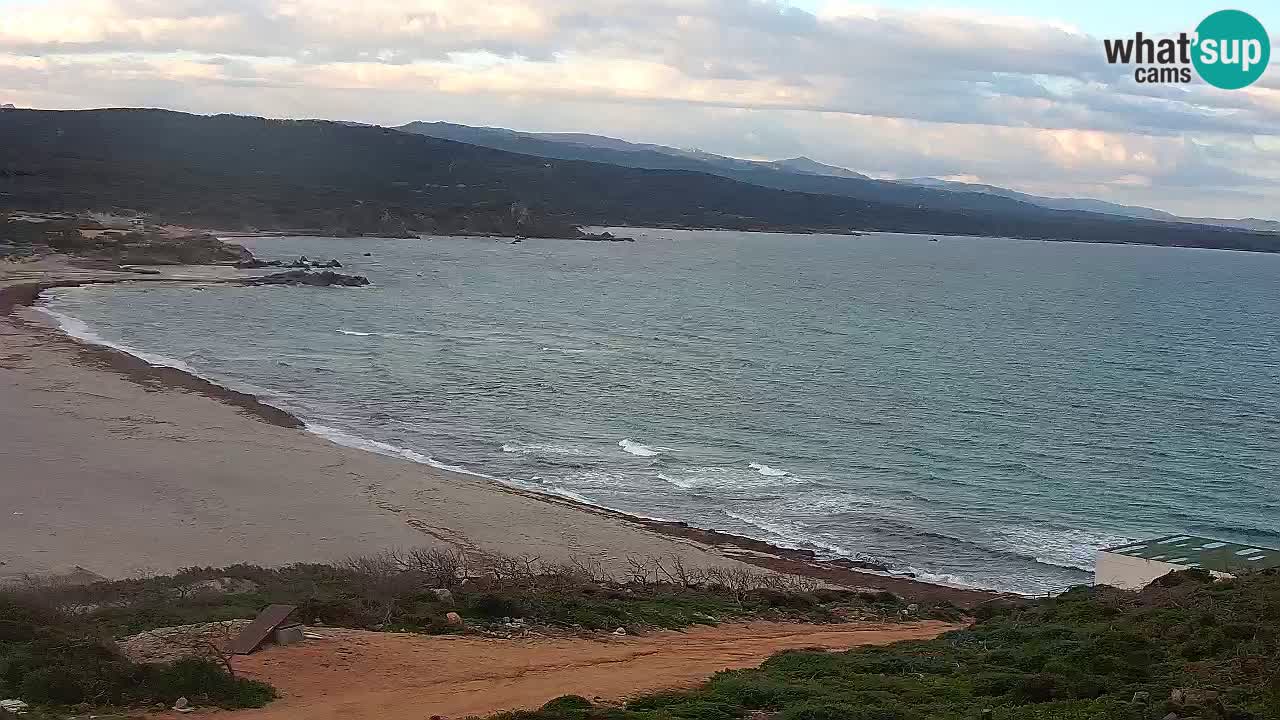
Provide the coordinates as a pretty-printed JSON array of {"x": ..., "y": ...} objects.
[
  {"x": 606, "y": 237},
  {"x": 315, "y": 279}
]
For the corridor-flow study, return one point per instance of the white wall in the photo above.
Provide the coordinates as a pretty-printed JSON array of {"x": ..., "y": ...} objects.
[{"x": 1130, "y": 573}]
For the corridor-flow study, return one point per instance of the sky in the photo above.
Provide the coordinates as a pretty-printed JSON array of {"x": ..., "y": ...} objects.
[{"x": 1016, "y": 94}]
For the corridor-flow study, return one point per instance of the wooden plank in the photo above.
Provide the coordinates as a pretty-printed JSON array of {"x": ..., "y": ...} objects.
[{"x": 267, "y": 621}]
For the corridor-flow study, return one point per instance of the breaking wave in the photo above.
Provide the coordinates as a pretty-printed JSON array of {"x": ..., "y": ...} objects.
[
  {"x": 639, "y": 449},
  {"x": 768, "y": 471}
]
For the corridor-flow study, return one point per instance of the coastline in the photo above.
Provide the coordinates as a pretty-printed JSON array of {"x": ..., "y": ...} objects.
[{"x": 701, "y": 546}]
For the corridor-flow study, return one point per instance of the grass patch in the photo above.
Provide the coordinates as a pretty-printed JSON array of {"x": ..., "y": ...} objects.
[
  {"x": 1186, "y": 645},
  {"x": 50, "y": 658},
  {"x": 413, "y": 590}
]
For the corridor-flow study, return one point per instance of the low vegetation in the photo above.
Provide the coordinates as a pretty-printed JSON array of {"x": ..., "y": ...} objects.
[
  {"x": 1186, "y": 647},
  {"x": 48, "y": 657},
  {"x": 57, "y": 647},
  {"x": 414, "y": 590}
]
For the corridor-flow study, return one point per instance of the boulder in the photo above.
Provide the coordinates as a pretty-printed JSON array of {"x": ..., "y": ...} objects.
[
  {"x": 453, "y": 619},
  {"x": 316, "y": 279},
  {"x": 443, "y": 595}
]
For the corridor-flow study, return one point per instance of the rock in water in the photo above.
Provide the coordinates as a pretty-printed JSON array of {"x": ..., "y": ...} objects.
[{"x": 316, "y": 279}]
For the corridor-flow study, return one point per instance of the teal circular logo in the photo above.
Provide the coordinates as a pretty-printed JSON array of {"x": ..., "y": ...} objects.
[{"x": 1232, "y": 49}]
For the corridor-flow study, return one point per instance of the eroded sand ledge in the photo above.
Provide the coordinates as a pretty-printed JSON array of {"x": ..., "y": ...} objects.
[{"x": 122, "y": 468}]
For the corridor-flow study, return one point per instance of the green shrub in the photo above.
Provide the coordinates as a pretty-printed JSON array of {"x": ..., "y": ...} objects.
[{"x": 50, "y": 659}]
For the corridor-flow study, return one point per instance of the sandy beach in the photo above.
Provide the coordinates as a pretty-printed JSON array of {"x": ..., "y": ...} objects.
[{"x": 123, "y": 469}]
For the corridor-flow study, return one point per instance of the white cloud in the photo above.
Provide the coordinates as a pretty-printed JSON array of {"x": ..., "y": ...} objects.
[{"x": 1010, "y": 100}]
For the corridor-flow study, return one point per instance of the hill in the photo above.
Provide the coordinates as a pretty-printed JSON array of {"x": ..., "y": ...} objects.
[
  {"x": 255, "y": 173},
  {"x": 1098, "y": 206}
]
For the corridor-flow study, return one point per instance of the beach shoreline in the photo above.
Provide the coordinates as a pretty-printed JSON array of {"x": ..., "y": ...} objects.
[{"x": 551, "y": 524}]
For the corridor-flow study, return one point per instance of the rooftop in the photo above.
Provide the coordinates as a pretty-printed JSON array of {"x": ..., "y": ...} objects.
[{"x": 1192, "y": 552}]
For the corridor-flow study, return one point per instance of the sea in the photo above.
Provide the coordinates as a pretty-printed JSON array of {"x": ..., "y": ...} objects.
[{"x": 979, "y": 412}]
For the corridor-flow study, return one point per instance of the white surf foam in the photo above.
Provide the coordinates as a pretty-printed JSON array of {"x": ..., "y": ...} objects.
[
  {"x": 346, "y": 439},
  {"x": 544, "y": 449},
  {"x": 1073, "y": 549},
  {"x": 639, "y": 449},
  {"x": 358, "y": 333},
  {"x": 81, "y": 330},
  {"x": 767, "y": 471}
]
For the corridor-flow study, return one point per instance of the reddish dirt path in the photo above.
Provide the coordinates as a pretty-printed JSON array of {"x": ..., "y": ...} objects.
[{"x": 356, "y": 675}]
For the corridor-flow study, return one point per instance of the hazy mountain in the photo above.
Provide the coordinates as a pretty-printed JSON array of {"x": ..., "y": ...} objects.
[
  {"x": 245, "y": 172},
  {"x": 1097, "y": 206},
  {"x": 813, "y": 167}
]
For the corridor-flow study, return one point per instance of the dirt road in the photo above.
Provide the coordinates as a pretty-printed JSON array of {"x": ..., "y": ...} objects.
[{"x": 356, "y": 675}]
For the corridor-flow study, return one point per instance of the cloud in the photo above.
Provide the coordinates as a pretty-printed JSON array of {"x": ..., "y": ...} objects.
[{"x": 941, "y": 92}]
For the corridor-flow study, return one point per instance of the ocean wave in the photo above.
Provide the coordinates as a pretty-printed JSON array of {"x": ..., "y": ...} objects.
[
  {"x": 639, "y": 449},
  {"x": 357, "y": 333},
  {"x": 346, "y": 439},
  {"x": 545, "y": 449},
  {"x": 790, "y": 534},
  {"x": 1271, "y": 535},
  {"x": 729, "y": 479},
  {"x": 768, "y": 471},
  {"x": 81, "y": 330},
  {"x": 1068, "y": 548},
  {"x": 566, "y": 351}
]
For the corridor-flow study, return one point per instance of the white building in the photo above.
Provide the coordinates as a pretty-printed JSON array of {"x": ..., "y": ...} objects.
[{"x": 1134, "y": 565}]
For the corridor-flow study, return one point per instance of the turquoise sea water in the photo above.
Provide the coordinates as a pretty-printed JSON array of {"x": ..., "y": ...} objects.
[{"x": 977, "y": 411}]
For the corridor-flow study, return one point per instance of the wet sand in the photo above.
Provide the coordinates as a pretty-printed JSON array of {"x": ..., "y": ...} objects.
[{"x": 121, "y": 468}]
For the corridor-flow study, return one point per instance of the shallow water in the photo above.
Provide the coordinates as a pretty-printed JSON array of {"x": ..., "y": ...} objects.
[{"x": 979, "y": 411}]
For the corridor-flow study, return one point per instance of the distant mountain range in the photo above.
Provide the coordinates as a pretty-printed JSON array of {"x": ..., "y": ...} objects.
[
  {"x": 780, "y": 174},
  {"x": 1098, "y": 206},
  {"x": 235, "y": 172}
]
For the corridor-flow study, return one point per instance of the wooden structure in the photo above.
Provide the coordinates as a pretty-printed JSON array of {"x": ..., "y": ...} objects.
[{"x": 252, "y": 637}]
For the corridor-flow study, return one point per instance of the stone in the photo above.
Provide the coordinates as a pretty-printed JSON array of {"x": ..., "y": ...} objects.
[
  {"x": 443, "y": 595},
  {"x": 181, "y": 703},
  {"x": 620, "y": 631},
  {"x": 453, "y": 619},
  {"x": 913, "y": 608},
  {"x": 1171, "y": 716},
  {"x": 302, "y": 277},
  {"x": 1178, "y": 696},
  {"x": 289, "y": 635}
]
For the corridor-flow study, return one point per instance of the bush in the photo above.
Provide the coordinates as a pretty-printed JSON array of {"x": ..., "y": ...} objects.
[
  {"x": 47, "y": 658},
  {"x": 1080, "y": 656}
]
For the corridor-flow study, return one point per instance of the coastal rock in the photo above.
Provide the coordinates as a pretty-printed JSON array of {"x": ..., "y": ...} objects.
[
  {"x": 605, "y": 237},
  {"x": 255, "y": 264},
  {"x": 317, "y": 279}
]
